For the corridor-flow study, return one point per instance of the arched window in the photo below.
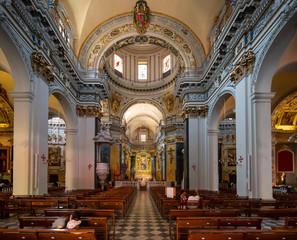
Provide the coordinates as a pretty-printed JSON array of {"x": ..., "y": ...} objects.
[{"x": 142, "y": 70}]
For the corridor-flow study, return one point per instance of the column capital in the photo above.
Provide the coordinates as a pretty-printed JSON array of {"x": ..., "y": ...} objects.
[
  {"x": 195, "y": 111},
  {"x": 22, "y": 96},
  {"x": 262, "y": 96}
]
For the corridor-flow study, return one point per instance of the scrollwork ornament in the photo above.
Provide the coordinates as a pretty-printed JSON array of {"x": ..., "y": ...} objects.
[
  {"x": 195, "y": 111},
  {"x": 88, "y": 111}
]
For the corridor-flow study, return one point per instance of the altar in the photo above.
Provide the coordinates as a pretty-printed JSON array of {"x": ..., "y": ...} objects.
[{"x": 137, "y": 184}]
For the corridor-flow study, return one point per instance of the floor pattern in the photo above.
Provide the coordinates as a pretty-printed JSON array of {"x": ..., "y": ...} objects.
[{"x": 142, "y": 222}]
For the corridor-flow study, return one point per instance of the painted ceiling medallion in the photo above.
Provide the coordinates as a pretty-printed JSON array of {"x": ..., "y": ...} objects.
[{"x": 141, "y": 16}]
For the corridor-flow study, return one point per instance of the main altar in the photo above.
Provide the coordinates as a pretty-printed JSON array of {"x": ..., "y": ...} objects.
[{"x": 143, "y": 166}]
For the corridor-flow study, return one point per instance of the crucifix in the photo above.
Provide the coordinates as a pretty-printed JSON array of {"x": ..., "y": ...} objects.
[{"x": 170, "y": 154}]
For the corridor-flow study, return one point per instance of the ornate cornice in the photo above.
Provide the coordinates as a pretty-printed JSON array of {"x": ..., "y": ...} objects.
[
  {"x": 88, "y": 111},
  {"x": 42, "y": 67},
  {"x": 195, "y": 111},
  {"x": 243, "y": 67}
]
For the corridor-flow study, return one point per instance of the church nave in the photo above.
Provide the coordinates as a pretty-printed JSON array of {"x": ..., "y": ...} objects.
[{"x": 143, "y": 221}]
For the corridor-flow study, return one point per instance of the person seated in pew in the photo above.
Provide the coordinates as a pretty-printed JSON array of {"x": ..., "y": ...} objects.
[
  {"x": 74, "y": 221},
  {"x": 183, "y": 199},
  {"x": 61, "y": 222},
  {"x": 194, "y": 199}
]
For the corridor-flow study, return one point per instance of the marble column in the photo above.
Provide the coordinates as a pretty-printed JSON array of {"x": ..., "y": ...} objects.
[
  {"x": 40, "y": 135},
  {"x": 212, "y": 165},
  {"x": 71, "y": 159},
  {"x": 261, "y": 161},
  {"x": 195, "y": 172},
  {"x": 243, "y": 135},
  {"x": 86, "y": 156},
  {"x": 23, "y": 164}
]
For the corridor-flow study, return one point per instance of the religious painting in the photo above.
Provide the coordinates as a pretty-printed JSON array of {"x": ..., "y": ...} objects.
[
  {"x": 285, "y": 161},
  {"x": 143, "y": 165},
  {"x": 288, "y": 118},
  {"x": 54, "y": 156},
  {"x": 3, "y": 160},
  {"x": 170, "y": 160},
  {"x": 231, "y": 154},
  {"x": 141, "y": 16}
]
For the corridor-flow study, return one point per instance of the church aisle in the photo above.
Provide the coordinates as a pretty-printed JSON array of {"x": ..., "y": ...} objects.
[{"x": 143, "y": 221}]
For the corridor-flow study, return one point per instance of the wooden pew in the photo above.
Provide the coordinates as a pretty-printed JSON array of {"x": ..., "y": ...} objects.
[
  {"x": 185, "y": 224},
  {"x": 218, "y": 235},
  {"x": 109, "y": 213},
  {"x": 242, "y": 235},
  {"x": 96, "y": 223},
  {"x": 114, "y": 204},
  {"x": 175, "y": 213},
  {"x": 277, "y": 213},
  {"x": 290, "y": 222},
  {"x": 42, "y": 234}
]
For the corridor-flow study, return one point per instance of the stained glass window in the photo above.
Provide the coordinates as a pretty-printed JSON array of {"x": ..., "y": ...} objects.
[
  {"x": 142, "y": 70},
  {"x": 166, "y": 63},
  {"x": 142, "y": 137},
  {"x": 118, "y": 63}
]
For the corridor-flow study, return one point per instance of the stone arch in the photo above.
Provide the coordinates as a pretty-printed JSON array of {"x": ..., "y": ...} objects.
[
  {"x": 20, "y": 69},
  {"x": 148, "y": 101},
  {"x": 101, "y": 40},
  {"x": 276, "y": 44},
  {"x": 215, "y": 110},
  {"x": 70, "y": 115}
]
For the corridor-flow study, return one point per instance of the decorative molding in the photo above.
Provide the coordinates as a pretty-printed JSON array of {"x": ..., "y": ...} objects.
[
  {"x": 243, "y": 67},
  {"x": 88, "y": 111},
  {"x": 42, "y": 67},
  {"x": 179, "y": 139},
  {"x": 141, "y": 16},
  {"x": 195, "y": 111}
]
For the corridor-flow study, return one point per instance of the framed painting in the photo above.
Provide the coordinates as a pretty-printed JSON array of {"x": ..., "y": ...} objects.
[
  {"x": 54, "y": 156},
  {"x": 4, "y": 159}
]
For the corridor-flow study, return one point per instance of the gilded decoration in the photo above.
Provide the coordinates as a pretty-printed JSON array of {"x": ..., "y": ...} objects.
[
  {"x": 284, "y": 117},
  {"x": 141, "y": 16},
  {"x": 131, "y": 40},
  {"x": 116, "y": 102},
  {"x": 169, "y": 101},
  {"x": 143, "y": 166},
  {"x": 6, "y": 110},
  {"x": 42, "y": 67},
  {"x": 88, "y": 111},
  {"x": 179, "y": 139},
  {"x": 243, "y": 67},
  {"x": 195, "y": 111}
]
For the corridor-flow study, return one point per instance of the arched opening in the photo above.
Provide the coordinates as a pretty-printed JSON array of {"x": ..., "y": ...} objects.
[
  {"x": 56, "y": 143},
  {"x": 222, "y": 139}
]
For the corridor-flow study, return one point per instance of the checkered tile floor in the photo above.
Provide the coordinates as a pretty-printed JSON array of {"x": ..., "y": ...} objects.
[{"x": 142, "y": 222}]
